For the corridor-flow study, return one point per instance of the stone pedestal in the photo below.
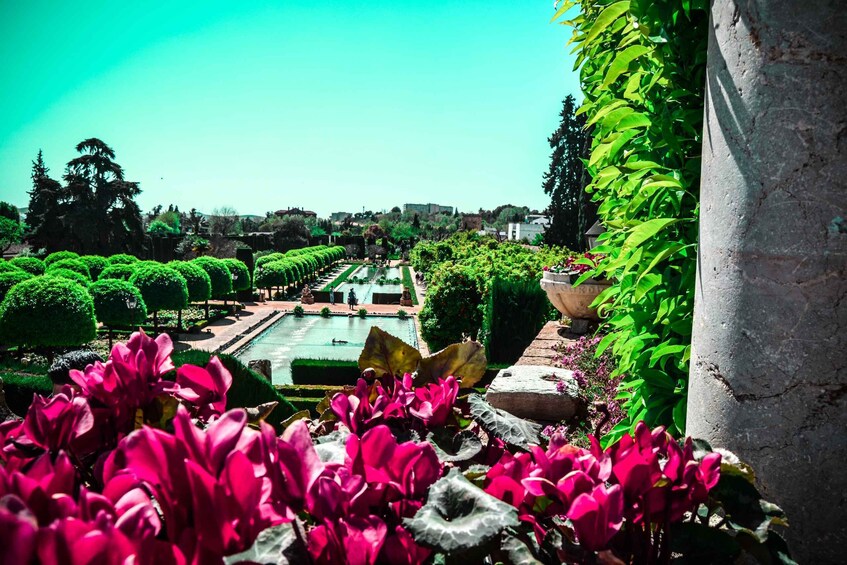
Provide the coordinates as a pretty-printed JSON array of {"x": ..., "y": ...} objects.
[
  {"x": 574, "y": 301},
  {"x": 768, "y": 376},
  {"x": 529, "y": 391}
]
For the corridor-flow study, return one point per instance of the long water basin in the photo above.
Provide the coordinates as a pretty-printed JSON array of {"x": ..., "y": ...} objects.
[
  {"x": 364, "y": 292},
  {"x": 311, "y": 337}
]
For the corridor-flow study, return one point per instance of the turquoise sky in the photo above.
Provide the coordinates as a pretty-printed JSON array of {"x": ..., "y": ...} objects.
[{"x": 264, "y": 105}]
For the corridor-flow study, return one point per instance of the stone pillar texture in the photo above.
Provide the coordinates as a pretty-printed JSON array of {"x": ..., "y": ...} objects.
[{"x": 768, "y": 377}]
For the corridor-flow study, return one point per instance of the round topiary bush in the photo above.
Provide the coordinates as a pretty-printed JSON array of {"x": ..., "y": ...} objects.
[
  {"x": 122, "y": 259},
  {"x": 32, "y": 265},
  {"x": 95, "y": 264},
  {"x": 298, "y": 311},
  {"x": 8, "y": 267},
  {"x": 9, "y": 279},
  {"x": 59, "y": 256},
  {"x": 163, "y": 288},
  {"x": 326, "y": 312},
  {"x": 199, "y": 283},
  {"x": 47, "y": 311},
  {"x": 218, "y": 273},
  {"x": 239, "y": 273},
  {"x": 71, "y": 264},
  {"x": 121, "y": 271},
  {"x": 70, "y": 275},
  {"x": 112, "y": 300}
]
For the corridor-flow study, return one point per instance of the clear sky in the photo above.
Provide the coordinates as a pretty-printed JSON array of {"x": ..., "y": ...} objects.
[{"x": 330, "y": 105}]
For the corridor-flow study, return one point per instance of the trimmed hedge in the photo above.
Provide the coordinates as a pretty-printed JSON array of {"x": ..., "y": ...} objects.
[
  {"x": 32, "y": 265},
  {"x": 74, "y": 265},
  {"x": 514, "y": 313},
  {"x": 110, "y": 297},
  {"x": 324, "y": 372},
  {"x": 70, "y": 275},
  {"x": 122, "y": 259},
  {"x": 20, "y": 388},
  {"x": 8, "y": 267},
  {"x": 95, "y": 264},
  {"x": 11, "y": 278},
  {"x": 197, "y": 280},
  {"x": 47, "y": 311},
  {"x": 59, "y": 256},
  {"x": 242, "y": 274},
  {"x": 163, "y": 288},
  {"x": 121, "y": 271},
  {"x": 248, "y": 388},
  {"x": 218, "y": 273}
]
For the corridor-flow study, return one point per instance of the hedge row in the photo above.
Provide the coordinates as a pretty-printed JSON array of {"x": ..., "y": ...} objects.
[{"x": 279, "y": 270}]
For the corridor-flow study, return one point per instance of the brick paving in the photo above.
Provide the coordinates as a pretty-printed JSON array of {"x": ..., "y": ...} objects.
[{"x": 540, "y": 351}]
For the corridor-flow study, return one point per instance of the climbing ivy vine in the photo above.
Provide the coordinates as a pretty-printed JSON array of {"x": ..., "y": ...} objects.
[{"x": 642, "y": 70}]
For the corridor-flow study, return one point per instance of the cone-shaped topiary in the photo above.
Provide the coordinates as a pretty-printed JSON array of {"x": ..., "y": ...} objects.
[{"x": 47, "y": 311}]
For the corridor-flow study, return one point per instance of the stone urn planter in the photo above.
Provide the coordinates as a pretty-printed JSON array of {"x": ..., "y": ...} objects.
[{"x": 573, "y": 301}]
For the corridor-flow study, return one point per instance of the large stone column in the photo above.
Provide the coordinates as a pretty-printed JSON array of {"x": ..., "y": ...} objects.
[{"x": 768, "y": 376}]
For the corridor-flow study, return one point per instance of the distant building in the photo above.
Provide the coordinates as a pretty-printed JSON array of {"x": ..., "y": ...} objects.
[
  {"x": 471, "y": 222},
  {"x": 296, "y": 212},
  {"x": 339, "y": 216},
  {"x": 428, "y": 208},
  {"x": 525, "y": 231}
]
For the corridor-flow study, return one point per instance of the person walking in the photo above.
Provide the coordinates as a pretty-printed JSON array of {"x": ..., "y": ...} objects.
[
  {"x": 331, "y": 295},
  {"x": 351, "y": 299}
]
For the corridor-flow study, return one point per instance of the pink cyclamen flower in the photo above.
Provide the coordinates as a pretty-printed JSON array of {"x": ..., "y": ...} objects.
[
  {"x": 56, "y": 422},
  {"x": 433, "y": 403},
  {"x": 597, "y": 516},
  {"x": 205, "y": 388}
]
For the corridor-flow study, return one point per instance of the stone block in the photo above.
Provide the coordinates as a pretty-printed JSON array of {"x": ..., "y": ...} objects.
[{"x": 529, "y": 391}]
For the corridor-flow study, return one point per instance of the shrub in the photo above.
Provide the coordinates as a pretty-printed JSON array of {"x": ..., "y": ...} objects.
[
  {"x": 451, "y": 310},
  {"x": 402, "y": 314},
  {"x": 326, "y": 312},
  {"x": 9, "y": 279},
  {"x": 8, "y": 267},
  {"x": 198, "y": 282},
  {"x": 362, "y": 312},
  {"x": 59, "y": 256},
  {"x": 47, "y": 311},
  {"x": 248, "y": 388},
  {"x": 219, "y": 275},
  {"x": 163, "y": 288},
  {"x": 241, "y": 273},
  {"x": 110, "y": 298},
  {"x": 59, "y": 371},
  {"x": 20, "y": 388},
  {"x": 95, "y": 264},
  {"x": 32, "y": 265},
  {"x": 74, "y": 265},
  {"x": 298, "y": 311},
  {"x": 70, "y": 275},
  {"x": 330, "y": 372},
  {"x": 122, "y": 259},
  {"x": 121, "y": 271}
]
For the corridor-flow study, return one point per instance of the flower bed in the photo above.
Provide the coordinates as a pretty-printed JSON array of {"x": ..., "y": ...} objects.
[{"x": 141, "y": 461}]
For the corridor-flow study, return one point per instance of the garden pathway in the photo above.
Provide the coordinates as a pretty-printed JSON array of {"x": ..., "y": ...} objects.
[{"x": 540, "y": 351}]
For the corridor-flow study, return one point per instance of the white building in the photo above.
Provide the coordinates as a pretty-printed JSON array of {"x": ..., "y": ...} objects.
[{"x": 525, "y": 231}]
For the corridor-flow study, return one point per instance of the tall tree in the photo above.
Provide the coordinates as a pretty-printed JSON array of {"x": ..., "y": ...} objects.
[
  {"x": 101, "y": 216},
  {"x": 570, "y": 207},
  {"x": 225, "y": 221},
  {"x": 45, "y": 224}
]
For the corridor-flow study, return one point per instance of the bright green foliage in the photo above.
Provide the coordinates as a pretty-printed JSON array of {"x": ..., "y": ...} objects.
[
  {"x": 11, "y": 232},
  {"x": 241, "y": 272},
  {"x": 218, "y": 273},
  {"x": 326, "y": 312},
  {"x": 198, "y": 282},
  {"x": 362, "y": 313},
  {"x": 460, "y": 272},
  {"x": 513, "y": 314},
  {"x": 120, "y": 271},
  {"x": 643, "y": 74},
  {"x": 278, "y": 273},
  {"x": 122, "y": 259},
  {"x": 158, "y": 227},
  {"x": 58, "y": 256},
  {"x": 47, "y": 311},
  {"x": 110, "y": 298},
  {"x": 70, "y": 275},
  {"x": 298, "y": 311},
  {"x": 32, "y": 265},
  {"x": 8, "y": 266},
  {"x": 8, "y": 279},
  {"x": 72, "y": 265},
  {"x": 95, "y": 264},
  {"x": 163, "y": 288}
]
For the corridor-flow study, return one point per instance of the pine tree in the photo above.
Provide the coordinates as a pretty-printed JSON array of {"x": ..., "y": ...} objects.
[
  {"x": 570, "y": 207},
  {"x": 45, "y": 225}
]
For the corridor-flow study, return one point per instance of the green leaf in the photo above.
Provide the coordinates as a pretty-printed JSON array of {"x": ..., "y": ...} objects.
[
  {"x": 521, "y": 550},
  {"x": 458, "y": 516},
  {"x": 565, "y": 6},
  {"x": 645, "y": 231},
  {"x": 622, "y": 61},
  {"x": 452, "y": 447},
  {"x": 278, "y": 545},
  {"x": 388, "y": 355},
  {"x": 701, "y": 544},
  {"x": 466, "y": 361},
  {"x": 511, "y": 429},
  {"x": 605, "y": 19}
]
